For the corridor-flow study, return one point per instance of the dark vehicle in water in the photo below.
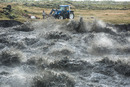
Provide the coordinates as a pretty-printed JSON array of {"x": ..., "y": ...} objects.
[{"x": 63, "y": 12}]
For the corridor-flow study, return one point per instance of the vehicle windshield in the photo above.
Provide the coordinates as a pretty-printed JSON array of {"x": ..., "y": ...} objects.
[{"x": 63, "y": 8}]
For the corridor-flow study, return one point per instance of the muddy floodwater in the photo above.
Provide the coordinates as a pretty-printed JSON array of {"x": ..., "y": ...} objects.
[{"x": 59, "y": 53}]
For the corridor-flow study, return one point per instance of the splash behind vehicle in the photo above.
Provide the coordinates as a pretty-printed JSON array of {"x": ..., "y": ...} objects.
[{"x": 63, "y": 12}]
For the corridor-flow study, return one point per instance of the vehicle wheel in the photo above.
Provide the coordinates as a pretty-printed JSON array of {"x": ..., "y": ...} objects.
[
  {"x": 71, "y": 16},
  {"x": 60, "y": 17}
]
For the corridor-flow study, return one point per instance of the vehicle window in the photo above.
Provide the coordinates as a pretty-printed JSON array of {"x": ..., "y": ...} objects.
[
  {"x": 62, "y": 8},
  {"x": 66, "y": 8}
]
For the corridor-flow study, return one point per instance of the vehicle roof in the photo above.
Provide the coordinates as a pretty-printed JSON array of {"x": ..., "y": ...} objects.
[{"x": 64, "y": 5}]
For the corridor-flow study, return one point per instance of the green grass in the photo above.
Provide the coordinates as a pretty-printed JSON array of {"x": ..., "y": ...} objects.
[{"x": 114, "y": 13}]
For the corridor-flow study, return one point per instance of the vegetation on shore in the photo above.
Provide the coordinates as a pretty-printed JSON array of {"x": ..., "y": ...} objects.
[{"x": 113, "y": 12}]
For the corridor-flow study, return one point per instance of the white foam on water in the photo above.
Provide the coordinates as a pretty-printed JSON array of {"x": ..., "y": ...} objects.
[{"x": 76, "y": 60}]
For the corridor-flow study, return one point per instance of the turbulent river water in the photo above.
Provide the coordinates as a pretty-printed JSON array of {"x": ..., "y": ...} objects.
[{"x": 65, "y": 54}]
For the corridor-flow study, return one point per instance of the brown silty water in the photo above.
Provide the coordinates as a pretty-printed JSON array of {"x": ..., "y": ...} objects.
[{"x": 68, "y": 54}]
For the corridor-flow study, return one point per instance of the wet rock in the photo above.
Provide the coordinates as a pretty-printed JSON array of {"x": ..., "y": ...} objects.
[
  {"x": 123, "y": 27},
  {"x": 24, "y": 27},
  {"x": 9, "y": 23}
]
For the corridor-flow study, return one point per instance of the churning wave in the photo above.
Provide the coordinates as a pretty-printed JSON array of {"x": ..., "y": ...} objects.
[{"x": 55, "y": 53}]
